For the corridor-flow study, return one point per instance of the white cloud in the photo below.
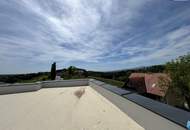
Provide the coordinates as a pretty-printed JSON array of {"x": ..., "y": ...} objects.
[
  {"x": 94, "y": 31},
  {"x": 169, "y": 46},
  {"x": 77, "y": 24}
]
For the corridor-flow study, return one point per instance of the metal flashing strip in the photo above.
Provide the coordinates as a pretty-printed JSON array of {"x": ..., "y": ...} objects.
[
  {"x": 171, "y": 113},
  {"x": 111, "y": 88}
]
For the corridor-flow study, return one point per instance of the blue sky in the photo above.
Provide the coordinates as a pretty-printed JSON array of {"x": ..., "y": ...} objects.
[{"x": 98, "y": 35}]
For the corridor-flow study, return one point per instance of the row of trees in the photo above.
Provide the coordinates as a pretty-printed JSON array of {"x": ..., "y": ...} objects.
[
  {"x": 13, "y": 78},
  {"x": 123, "y": 75},
  {"x": 21, "y": 77},
  {"x": 71, "y": 72},
  {"x": 74, "y": 73}
]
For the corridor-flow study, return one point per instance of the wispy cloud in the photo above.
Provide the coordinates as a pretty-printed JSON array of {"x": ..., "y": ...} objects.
[{"x": 94, "y": 34}]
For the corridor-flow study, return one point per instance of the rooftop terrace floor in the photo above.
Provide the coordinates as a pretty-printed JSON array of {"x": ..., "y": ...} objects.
[{"x": 67, "y": 108}]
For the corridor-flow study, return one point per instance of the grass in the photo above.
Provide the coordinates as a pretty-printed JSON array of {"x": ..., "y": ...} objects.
[{"x": 110, "y": 81}]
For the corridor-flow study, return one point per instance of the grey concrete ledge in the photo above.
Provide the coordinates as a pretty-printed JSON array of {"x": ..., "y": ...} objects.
[
  {"x": 65, "y": 83},
  {"x": 173, "y": 114},
  {"x": 29, "y": 87},
  {"x": 112, "y": 88},
  {"x": 19, "y": 88},
  {"x": 100, "y": 83},
  {"x": 18, "y": 84}
]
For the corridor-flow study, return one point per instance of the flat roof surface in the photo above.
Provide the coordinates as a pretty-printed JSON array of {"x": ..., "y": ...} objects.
[{"x": 67, "y": 108}]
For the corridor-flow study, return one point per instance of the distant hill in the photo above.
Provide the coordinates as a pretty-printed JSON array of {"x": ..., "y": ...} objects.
[
  {"x": 122, "y": 75},
  {"x": 12, "y": 78},
  {"x": 66, "y": 73}
]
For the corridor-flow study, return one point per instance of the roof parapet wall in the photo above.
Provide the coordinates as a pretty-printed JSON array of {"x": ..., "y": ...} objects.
[{"x": 171, "y": 114}]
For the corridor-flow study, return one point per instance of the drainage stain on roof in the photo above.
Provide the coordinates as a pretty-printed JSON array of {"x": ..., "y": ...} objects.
[{"x": 79, "y": 93}]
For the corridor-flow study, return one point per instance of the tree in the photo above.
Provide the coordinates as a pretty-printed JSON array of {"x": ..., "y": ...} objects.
[
  {"x": 179, "y": 71},
  {"x": 71, "y": 70},
  {"x": 53, "y": 71},
  {"x": 85, "y": 73}
]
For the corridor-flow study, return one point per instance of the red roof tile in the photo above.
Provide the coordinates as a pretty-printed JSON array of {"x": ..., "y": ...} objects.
[{"x": 149, "y": 83}]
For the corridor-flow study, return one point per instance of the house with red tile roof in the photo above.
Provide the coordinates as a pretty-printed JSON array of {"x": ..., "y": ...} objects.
[{"x": 152, "y": 84}]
